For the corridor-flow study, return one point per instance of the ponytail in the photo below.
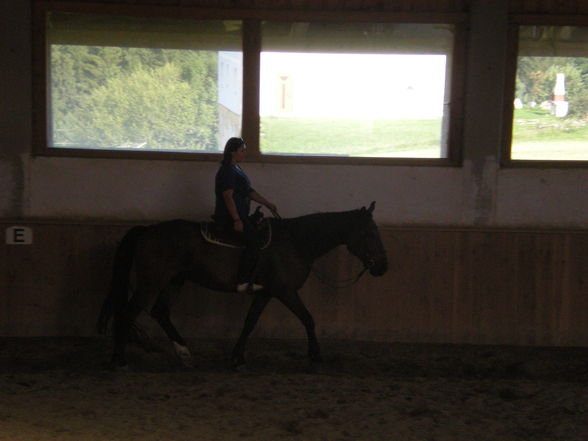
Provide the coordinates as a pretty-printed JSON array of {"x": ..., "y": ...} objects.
[{"x": 232, "y": 145}]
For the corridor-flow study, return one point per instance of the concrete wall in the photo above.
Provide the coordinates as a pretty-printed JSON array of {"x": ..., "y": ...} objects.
[
  {"x": 107, "y": 191},
  {"x": 478, "y": 193}
]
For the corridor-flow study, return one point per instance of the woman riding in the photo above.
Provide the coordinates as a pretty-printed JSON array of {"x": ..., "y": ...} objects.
[{"x": 233, "y": 199}]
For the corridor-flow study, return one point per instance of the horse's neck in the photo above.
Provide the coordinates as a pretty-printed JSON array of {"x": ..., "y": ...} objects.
[{"x": 315, "y": 235}]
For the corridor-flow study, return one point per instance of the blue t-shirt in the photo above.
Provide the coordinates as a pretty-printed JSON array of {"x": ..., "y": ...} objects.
[{"x": 232, "y": 177}]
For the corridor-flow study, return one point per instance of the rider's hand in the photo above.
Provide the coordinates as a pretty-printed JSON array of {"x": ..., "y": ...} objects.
[
  {"x": 272, "y": 207},
  {"x": 238, "y": 225}
]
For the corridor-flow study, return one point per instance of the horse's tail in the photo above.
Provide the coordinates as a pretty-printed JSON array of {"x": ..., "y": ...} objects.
[{"x": 117, "y": 299}]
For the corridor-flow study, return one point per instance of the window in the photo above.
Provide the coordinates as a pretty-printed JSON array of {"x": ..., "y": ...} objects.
[
  {"x": 355, "y": 89},
  {"x": 128, "y": 83},
  {"x": 550, "y": 102},
  {"x": 141, "y": 81}
]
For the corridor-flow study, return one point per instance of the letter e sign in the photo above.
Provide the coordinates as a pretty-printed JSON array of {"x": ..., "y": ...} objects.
[{"x": 19, "y": 236}]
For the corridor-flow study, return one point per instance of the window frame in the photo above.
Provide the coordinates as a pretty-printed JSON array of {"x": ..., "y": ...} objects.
[
  {"x": 516, "y": 20},
  {"x": 251, "y": 41}
]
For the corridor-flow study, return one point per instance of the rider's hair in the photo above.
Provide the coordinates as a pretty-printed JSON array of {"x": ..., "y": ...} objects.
[{"x": 231, "y": 146}]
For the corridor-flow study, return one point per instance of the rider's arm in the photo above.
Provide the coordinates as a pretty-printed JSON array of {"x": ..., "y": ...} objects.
[
  {"x": 255, "y": 196},
  {"x": 232, "y": 209}
]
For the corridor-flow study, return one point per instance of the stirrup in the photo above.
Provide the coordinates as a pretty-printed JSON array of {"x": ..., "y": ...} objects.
[{"x": 248, "y": 287}]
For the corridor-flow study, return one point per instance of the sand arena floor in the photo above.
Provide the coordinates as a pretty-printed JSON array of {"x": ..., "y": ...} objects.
[{"x": 61, "y": 389}]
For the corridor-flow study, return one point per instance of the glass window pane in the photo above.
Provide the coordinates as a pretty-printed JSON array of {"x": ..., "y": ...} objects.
[
  {"x": 358, "y": 90},
  {"x": 551, "y": 99},
  {"x": 143, "y": 84}
]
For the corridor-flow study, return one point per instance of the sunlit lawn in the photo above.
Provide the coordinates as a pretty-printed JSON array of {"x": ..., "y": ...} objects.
[
  {"x": 538, "y": 135},
  {"x": 379, "y": 138}
]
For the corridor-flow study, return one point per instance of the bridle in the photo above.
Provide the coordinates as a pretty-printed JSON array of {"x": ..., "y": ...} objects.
[
  {"x": 337, "y": 284},
  {"x": 368, "y": 263}
]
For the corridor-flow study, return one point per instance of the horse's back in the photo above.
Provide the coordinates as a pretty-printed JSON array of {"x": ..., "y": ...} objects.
[
  {"x": 168, "y": 242},
  {"x": 173, "y": 231}
]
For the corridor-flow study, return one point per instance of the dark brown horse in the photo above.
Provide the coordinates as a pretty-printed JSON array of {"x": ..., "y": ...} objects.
[{"x": 165, "y": 255}]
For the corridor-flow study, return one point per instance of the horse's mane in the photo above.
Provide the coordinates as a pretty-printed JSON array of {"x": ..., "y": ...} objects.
[
  {"x": 320, "y": 219},
  {"x": 318, "y": 232}
]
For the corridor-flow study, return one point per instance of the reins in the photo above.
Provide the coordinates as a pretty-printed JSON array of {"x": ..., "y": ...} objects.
[{"x": 337, "y": 284}]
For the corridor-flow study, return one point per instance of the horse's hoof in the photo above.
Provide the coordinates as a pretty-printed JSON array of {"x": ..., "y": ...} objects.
[
  {"x": 316, "y": 358},
  {"x": 184, "y": 355},
  {"x": 312, "y": 368},
  {"x": 237, "y": 363},
  {"x": 187, "y": 362},
  {"x": 117, "y": 366}
]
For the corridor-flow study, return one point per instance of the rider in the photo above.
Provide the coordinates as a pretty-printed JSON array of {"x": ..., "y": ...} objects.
[{"x": 233, "y": 196}]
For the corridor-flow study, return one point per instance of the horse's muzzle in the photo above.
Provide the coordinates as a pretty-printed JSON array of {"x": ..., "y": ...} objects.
[{"x": 377, "y": 267}]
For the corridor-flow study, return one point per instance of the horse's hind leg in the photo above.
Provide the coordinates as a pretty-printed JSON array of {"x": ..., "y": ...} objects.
[
  {"x": 123, "y": 322},
  {"x": 161, "y": 313},
  {"x": 259, "y": 303},
  {"x": 144, "y": 296}
]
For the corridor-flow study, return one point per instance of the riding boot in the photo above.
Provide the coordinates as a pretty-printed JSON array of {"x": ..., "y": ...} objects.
[
  {"x": 247, "y": 264},
  {"x": 248, "y": 287},
  {"x": 245, "y": 275},
  {"x": 248, "y": 261}
]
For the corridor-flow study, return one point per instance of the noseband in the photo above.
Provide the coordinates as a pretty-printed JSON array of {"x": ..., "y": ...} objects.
[
  {"x": 368, "y": 263},
  {"x": 338, "y": 284}
]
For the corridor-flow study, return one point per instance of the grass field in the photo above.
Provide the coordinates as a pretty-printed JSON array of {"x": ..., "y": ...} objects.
[
  {"x": 339, "y": 137},
  {"x": 536, "y": 135}
]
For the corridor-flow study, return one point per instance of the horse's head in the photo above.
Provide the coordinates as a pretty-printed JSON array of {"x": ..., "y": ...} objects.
[{"x": 365, "y": 243}]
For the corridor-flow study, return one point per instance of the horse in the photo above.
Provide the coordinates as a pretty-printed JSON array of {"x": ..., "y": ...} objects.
[{"x": 163, "y": 256}]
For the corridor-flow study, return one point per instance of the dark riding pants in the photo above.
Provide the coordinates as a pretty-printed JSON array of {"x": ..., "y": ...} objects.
[{"x": 250, "y": 253}]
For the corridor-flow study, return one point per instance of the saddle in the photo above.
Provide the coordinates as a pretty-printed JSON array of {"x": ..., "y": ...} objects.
[{"x": 216, "y": 233}]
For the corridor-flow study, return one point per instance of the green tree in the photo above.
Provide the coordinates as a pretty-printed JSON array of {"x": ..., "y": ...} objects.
[
  {"x": 112, "y": 97},
  {"x": 536, "y": 78},
  {"x": 148, "y": 108}
]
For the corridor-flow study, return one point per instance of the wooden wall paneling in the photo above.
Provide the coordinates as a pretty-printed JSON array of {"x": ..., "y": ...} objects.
[
  {"x": 529, "y": 6},
  {"x": 521, "y": 6},
  {"x": 492, "y": 280},
  {"x": 155, "y": 2},
  {"x": 15, "y": 287},
  {"x": 464, "y": 317},
  {"x": 34, "y": 282},
  {"x": 440, "y": 262},
  {"x": 325, "y": 301},
  {"x": 566, "y": 6},
  {"x": 354, "y": 302},
  {"x": 395, "y": 293},
  {"x": 84, "y": 274},
  {"x": 304, "y": 5},
  {"x": 485, "y": 274},
  {"x": 537, "y": 276},
  {"x": 406, "y": 313},
  {"x": 574, "y": 313},
  {"x": 67, "y": 279},
  {"x": 548, "y": 6},
  {"x": 353, "y": 5},
  {"x": 549, "y": 280},
  {"x": 443, "y": 285},
  {"x": 559, "y": 290},
  {"x": 416, "y": 291}
]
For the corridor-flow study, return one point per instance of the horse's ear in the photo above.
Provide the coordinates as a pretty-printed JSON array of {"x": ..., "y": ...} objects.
[{"x": 372, "y": 206}]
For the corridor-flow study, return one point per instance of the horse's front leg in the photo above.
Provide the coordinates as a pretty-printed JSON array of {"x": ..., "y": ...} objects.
[
  {"x": 161, "y": 313},
  {"x": 259, "y": 303},
  {"x": 292, "y": 301}
]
